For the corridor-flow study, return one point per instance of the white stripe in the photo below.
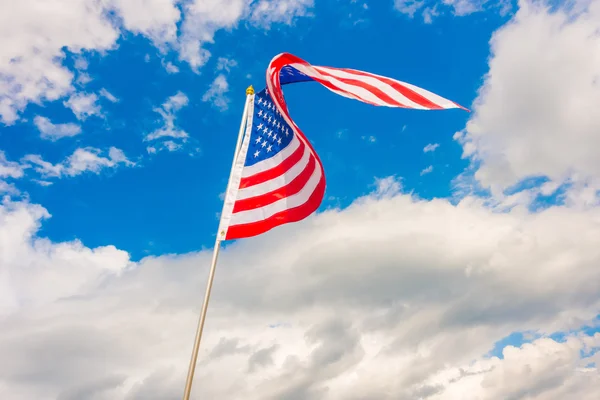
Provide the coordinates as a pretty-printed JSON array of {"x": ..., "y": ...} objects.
[
  {"x": 276, "y": 183},
  {"x": 273, "y": 161},
  {"x": 439, "y": 100},
  {"x": 260, "y": 214},
  {"x": 236, "y": 173},
  {"x": 360, "y": 93},
  {"x": 371, "y": 81}
]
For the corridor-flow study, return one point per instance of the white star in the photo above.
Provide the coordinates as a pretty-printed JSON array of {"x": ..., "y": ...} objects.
[
  {"x": 279, "y": 141},
  {"x": 287, "y": 133},
  {"x": 269, "y": 133},
  {"x": 265, "y": 129},
  {"x": 258, "y": 139},
  {"x": 275, "y": 137},
  {"x": 269, "y": 149},
  {"x": 265, "y": 115},
  {"x": 259, "y": 127},
  {"x": 260, "y": 113},
  {"x": 269, "y": 119},
  {"x": 264, "y": 144},
  {"x": 278, "y": 125},
  {"x": 256, "y": 153}
]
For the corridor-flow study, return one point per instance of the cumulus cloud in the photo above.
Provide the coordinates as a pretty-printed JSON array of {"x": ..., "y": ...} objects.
[
  {"x": 53, "y": 132},
  {"x": 32, "y": 38},
  {"x": 82, "y": 160},
  {"x": 83, "y": 105},
  {"x": 534, "y": 116},
  {"x": 392, "y": 297},
  {"x": 36, "y": 38},
  {"x": 9, "y": 169}
]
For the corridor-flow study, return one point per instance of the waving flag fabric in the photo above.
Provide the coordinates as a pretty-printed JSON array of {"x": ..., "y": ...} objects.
[{"x": 278, "y": 177}]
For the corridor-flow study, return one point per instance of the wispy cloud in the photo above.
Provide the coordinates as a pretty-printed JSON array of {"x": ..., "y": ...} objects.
[
  {"x": 88, "y": 159},
  {"x": 107, "y": 95},
  {"x": 369, "y": 138},
  {"x": 216, "y": 93},
  {"x": 54, "y": 132},
  {"x": 225, "y": 64},
  {"x": 427, "y": 170},
  {"x": 168, "y": 112},
  {"x": 431, "y": 147},
  {"x": 408, "y": 7}
]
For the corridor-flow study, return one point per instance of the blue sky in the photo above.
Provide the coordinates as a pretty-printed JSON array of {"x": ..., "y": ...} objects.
[
  {"x": 453, "y": 250},
  {"x": 168, "y": 202}
]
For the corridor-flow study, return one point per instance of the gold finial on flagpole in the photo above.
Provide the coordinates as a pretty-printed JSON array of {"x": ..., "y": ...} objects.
[{"x": 250, "y": 90}]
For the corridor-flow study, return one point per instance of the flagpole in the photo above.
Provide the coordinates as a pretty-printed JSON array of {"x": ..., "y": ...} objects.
[{"x": 213, "y": 265}]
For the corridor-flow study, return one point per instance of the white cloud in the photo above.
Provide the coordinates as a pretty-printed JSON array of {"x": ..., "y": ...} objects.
[
  {"x": 82, "y": 160},
  {"x": 459, "y": 8},
  {"x": 431, "y": 147},
  {"x": 155, "y": 19},
  {"x": 53, "y": 132},
  {"x": 543, "y": 369},
  {"x": 535, "y": 112},
  {"x": 204, "y": 17},
  {"x": 83, "y": 105},
  {"x": 8, "y": 188},
  {"x": 42, "y": 182},
  {"x": 168, "y": 112},
  {"x": 35, "y": 34},
  {"x": 32, "y": 36},
  {"x": 393, "y": 297},
  {"x": 427, "y": 170},
  {"x": 408, "y": 7},
  {"x": 107, "y": 95},
  {"x": 9, "y": 169},
  {"x": 267, "y": 12},
  {"x": 216, "y": 93},
  {"x": 171, "y": 68},
  {"x": 225, "y": 64},
  {"x": 369, "y": 138}
]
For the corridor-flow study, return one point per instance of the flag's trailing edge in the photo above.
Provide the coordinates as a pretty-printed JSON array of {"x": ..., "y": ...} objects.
[{"x": 278, "y": 177}]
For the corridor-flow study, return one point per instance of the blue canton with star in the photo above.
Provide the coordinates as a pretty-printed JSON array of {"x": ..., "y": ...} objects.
[{"x": 270, "y": 133}]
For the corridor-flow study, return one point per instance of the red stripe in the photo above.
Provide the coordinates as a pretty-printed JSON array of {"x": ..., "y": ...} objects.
[
  {"x": 276, "y": 171},
  {"x": 290, "y": 215},
  {"x": 408, "y": 93},
  {"x": 285, "y": 191},
  {"x": 374, "y": 90}
]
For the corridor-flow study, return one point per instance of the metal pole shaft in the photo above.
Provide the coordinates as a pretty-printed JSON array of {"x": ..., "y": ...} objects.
[
  {"x": 192, "y": 367},
  {"x": 213, "y": 265}
]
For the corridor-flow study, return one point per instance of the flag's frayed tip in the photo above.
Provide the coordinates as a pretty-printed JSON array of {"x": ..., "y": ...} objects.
[
  {"x": 250, "y": 90},
  {"x": 462, "y": 108}
]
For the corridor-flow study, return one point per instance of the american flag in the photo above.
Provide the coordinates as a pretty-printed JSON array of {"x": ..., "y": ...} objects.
[{"x": 278, "y": 177}]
